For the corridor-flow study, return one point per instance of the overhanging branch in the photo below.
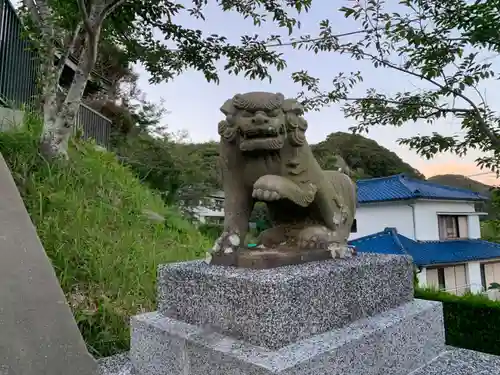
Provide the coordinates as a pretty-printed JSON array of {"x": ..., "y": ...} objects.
[
  {"x": 482, "y": 125},
  {"x": 87, "y": 25}
]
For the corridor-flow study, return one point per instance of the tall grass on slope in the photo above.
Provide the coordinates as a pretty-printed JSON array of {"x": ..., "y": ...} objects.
[{"x": 89, "y": 215}]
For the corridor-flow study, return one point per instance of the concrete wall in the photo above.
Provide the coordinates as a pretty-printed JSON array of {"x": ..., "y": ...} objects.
[
  {"x": 202, "y": 212},
  {"x": 373, "y": 218},
  {"x": 426, "y": 218},
  {"x": 38, "y": 334},
  {"x": 416, "y": 220},
  {"x": 10, "y": 118}
]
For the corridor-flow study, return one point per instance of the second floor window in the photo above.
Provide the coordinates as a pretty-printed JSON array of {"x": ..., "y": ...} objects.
[{"x": 452, "y": 227}]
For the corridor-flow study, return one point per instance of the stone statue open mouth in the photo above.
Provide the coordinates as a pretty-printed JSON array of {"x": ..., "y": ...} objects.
[{"x": 262, "y": 138}]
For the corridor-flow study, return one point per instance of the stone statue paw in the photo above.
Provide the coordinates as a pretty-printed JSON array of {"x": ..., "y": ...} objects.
[
  {"x": 340, "y": 251},
  {"x": 314, "y": 242},
  {"x": 316, "y": 237},
  {"x": 227, "y": 243},
  {"x": 266, "y": 195}
]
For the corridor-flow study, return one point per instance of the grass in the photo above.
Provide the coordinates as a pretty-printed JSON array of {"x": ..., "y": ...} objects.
[{"x": 99, "y": 226}]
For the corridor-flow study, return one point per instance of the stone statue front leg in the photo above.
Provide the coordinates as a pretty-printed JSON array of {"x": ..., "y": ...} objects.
[
  {"x": 270, "y": 188},
  {"x": 336, "y": 202},
  {"x": 238, "y": 205}
]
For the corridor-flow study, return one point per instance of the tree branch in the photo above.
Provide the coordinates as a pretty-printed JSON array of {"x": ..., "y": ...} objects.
[
  {"x": 87, "y": 25},
  {"x": 34, "y": 12},
  {"x": 110, "y": 8},
  {"x": 483, "y": 126},
  {"x": 421, "y": 104}
]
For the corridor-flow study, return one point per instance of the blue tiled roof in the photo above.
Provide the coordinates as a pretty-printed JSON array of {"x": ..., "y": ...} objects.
[
  {"x": 402, "y": 187},
  {"x": 426, "y": 253}
]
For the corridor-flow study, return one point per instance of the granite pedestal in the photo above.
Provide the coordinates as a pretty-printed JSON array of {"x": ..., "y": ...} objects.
[{"x": 353, "y": 316}]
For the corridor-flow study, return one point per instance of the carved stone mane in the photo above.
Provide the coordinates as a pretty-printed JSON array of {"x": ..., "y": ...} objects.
[{"x": 258, "y": 101}]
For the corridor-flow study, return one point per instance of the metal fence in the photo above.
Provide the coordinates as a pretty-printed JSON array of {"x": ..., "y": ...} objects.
[
  {"x": 19, "y": 68},
  {"x": 94, "y": 125},
  {"x": 18, "y": 64}
]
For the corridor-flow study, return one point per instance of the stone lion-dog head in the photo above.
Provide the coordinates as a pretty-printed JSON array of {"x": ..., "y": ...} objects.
[{"x": 263, "y": 121}]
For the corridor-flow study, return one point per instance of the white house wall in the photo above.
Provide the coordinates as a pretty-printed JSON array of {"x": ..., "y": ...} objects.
[
  {"x": 373, "y": 218},
  {"x": 426, "y": 218},
  {"x": 420, "y": 224}
]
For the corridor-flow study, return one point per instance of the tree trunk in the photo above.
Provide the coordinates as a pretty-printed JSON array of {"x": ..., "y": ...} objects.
[{"x": 58, "y": 128}]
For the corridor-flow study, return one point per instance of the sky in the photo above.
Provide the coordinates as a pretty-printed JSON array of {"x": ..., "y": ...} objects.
[{"x": 193, "y": 104}]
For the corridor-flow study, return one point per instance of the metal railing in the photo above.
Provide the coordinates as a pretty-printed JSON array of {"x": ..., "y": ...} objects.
[
  {"x": 18, "y": 64},
  {"x": 94, "y": 125},
  {"x": 19, "y": 67}
]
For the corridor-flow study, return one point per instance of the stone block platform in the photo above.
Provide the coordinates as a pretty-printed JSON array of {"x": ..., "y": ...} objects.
[
  {"x": 275, "y": 307},
  {"x": 340, "y": 317},
  {"x": 451, "y": 362},
  {"x": 394, "y": 342}
]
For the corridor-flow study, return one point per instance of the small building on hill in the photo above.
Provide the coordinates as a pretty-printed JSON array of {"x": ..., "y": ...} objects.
[{"x": 212, "y": 211}]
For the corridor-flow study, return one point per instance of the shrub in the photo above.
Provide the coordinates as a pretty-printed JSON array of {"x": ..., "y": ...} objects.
[
  {"x": 103, "y": 231},
  {"x": 211, "y": 231},
  {"x": 471, "y": 321}
]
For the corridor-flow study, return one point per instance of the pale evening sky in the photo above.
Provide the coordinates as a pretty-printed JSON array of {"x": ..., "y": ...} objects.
[{"x": 193, "y": 103}]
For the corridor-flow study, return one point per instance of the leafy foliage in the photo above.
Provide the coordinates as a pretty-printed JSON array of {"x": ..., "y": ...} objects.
[
  {"x": 362, "y": 155},
  {"x": 211, "y": 231},
  {"x": 464, "y": 182},
  {"x": 471, "y": 321},
  {"x": 441, "y": 45},
  {"x": 134, "y": 23},
  {"x": 151, "y": 160},
  {"x": 96, "y": 223},
  {"x": 490, "y": 229}
]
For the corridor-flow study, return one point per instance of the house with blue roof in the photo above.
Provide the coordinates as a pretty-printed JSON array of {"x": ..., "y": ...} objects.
[
  {"x": 437, "y": 225},
  {"x": 419, "y": 210}
]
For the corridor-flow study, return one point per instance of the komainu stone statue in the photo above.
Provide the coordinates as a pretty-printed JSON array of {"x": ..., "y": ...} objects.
[{"x": 265, "y": 157}]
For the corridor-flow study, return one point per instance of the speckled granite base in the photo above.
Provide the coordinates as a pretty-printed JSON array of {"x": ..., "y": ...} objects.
[
  {"x": 452, "y": 362},
  {"x": 275, "y": 307},
  {"x": 391, "y": 343},
  {"x": 119, "y": 364}
]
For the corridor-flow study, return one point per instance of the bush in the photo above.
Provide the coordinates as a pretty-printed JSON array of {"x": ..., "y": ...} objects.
[
  {"x": 103, "y": 231},
  {"x": 212, "y": 231},
  {"x": 471, "y": 321}
]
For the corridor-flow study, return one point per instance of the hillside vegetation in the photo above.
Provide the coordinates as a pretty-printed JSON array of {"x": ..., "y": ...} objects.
[
  {"x": 463, "y": 182},
  {"x": 457, "y": 180},
  {"x": 103, "y": 230},
  {"x": 362, "y": 154}
]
